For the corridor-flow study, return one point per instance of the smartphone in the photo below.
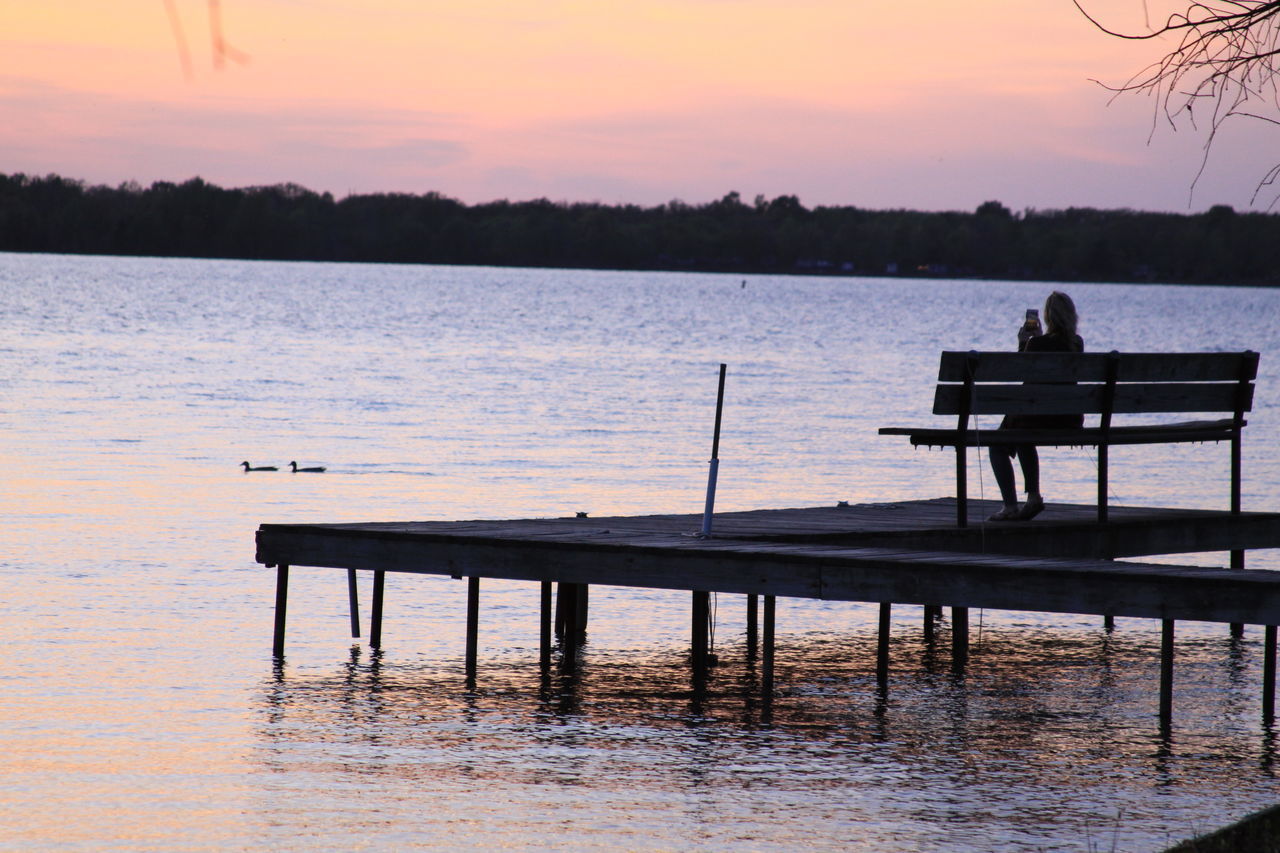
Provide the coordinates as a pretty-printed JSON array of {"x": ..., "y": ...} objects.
[{"x": 1033, "y": 318}]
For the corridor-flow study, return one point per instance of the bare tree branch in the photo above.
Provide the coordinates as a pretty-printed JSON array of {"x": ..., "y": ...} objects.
[{"x": 1223, "y": 62}]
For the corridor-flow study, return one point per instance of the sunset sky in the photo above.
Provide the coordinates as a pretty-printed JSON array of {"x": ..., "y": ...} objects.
[{"x": 931, "y": 105}]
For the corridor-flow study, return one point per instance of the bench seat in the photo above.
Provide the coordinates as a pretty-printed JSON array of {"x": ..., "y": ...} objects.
[{"x": 1186, "y": 431}]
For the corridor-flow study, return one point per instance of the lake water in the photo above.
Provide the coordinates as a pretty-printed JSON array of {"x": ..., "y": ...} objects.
[{"x": 140, "y": 708}]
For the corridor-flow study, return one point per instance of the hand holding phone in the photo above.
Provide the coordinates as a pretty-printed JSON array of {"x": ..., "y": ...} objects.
[{"x": 1030, "y": 327}]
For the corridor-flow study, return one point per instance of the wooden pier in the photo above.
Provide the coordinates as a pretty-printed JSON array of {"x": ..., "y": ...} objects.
[{"x": 892, "y": 553}]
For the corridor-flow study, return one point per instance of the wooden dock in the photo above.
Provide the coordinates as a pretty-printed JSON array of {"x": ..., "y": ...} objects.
[{"x": 892, "y": 553}]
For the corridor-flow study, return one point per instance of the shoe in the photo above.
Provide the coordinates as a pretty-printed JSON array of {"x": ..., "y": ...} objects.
[
  {"x": 1030, "y": 509},
  {"x": 1009, "y": 513}
]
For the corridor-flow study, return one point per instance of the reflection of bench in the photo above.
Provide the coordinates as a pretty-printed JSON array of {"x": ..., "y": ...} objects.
[{"x": 993, "y": 384}]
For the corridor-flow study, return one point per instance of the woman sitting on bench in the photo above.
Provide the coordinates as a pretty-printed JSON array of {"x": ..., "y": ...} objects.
[{"x": 1060, "y": 320}]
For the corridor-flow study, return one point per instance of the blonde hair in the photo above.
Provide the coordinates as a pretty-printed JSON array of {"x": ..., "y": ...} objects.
[{"x": 1060, "y": 315}]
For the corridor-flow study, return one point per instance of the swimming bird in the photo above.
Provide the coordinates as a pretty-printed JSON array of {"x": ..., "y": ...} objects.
[
  {"x": 297, "y": 470},
  {"x": 248, "y": 467}
]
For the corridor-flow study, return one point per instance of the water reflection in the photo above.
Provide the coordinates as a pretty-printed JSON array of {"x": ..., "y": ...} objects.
[{"x": 1042, "y": 740}]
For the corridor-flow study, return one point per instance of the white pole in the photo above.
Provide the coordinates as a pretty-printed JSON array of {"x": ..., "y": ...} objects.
[{"x": 714, "y": 470}]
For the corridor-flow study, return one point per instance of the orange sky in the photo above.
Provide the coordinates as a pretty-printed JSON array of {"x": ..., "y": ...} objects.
[{"x": 932, "y": 105}]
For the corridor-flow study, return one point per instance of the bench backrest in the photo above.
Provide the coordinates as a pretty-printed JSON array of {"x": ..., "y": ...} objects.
[{"x": 998, "y": 383}]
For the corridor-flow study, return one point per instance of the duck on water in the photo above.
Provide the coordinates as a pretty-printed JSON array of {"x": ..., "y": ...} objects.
[
  {"x": 297, "y": 470},
  {"x": 248, "y": 467}
]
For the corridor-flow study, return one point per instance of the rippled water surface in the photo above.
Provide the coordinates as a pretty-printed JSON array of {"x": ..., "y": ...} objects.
[{"x": 140, "y": 708}]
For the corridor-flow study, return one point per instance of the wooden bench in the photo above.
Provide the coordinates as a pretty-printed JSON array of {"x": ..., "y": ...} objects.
[{"x": 994, "y": 384}]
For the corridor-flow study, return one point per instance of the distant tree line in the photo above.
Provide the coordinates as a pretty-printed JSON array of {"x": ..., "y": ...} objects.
[{"x": 288, "y": 222}]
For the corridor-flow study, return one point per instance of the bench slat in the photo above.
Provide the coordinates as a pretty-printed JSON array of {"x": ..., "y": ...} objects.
[
  {"x": 1133, "y": 398},
  {"x": 1092, "y": 366}
]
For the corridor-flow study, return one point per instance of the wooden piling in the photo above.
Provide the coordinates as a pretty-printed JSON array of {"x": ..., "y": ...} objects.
[
  {"x": 375, "y": 617},
  {"x": 561, "y": 595},
  {"x": 567, "y": 594},
  {"x": 882, "y": 643},
  {"x": 544, "y": 627},
  {"x": 1108, "y": 623},
  {"x": 700, "y": 615},
  {"x": 753, "y": 625},
  {"x": 583, "y": 595},
  {"x": 959, "y": 638},
  {"x": 354, "y": 602},
  {"x": 932, "y": 613},
  {"x": 473, "y": 624},
  {"x": 282, "y": 600},
  {"x": 767, "y": 643},
  {"x": 1166, "y": 674},
  {"x": 1269, "y": 675}
]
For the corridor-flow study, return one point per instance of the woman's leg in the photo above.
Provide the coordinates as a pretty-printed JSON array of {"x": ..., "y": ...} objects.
[
  {"x": 1030, "y": 459},
  {"x": 1001, "y": 456}
]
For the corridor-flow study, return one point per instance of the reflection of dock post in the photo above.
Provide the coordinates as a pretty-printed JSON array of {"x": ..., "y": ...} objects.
[
  {"x": 1166, "y": 675},
  {"x": 753, "y": 625},
  {"x": 375, "y": 617},
  {"x": 959, "y": 637},
  {"x": 544, "y": 627},
  {"x": 282, "y": 600},
  {"x": 354, "y": 600},
  {"x": 766, "y": 666},
  {"x": 882, "y": 644},
  {"x": 473, "y": 624},
  {"x": 1269, "y": 675}
]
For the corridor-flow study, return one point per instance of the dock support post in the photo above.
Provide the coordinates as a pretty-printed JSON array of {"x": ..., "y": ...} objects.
[
  {"x": 353, "y": 598},
  {"x": 1108, "y": 623},
  {"x": 375, "y": 618},
  {"x": 1166, "y": 675},
  {"x": 932, "y": 613},
  {"x": 282, "y": 600},
  {"x": 473, "y": 624},
  {"x": 544, "y": 627},
  {"x": 561, "y": 597},
  {"x": 882, "y": 643},
  {"x": 753, "y": 625},
  {"x": 1269, "y": 676},
  {"x": 582, "y": 592},
  {"x": 959, "y": 638},
  {"x": 766, "y": 676},
  {"x": 701, "y": 612},
  {"x": 567, "y": 595}
]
